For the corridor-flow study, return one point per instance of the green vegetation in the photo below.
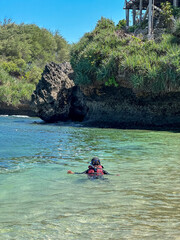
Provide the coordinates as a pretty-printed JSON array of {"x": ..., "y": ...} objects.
[
  {"x": 176, "y": 31},
  {"x": 12, "y": 90},
  {"x": 167, "y": 15},
  {"x": 121, "y": 25},
  {"x": 176, "y": 12},
  {"x": 24, "y": 51},
  {"x": 102, "y": 55}
]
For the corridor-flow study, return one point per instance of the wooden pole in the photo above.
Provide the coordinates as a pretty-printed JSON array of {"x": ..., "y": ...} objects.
[
  {"x": 134, "y": 14},
  {"x": 146, "y": 13},
  {"x": 127, "y": 13},
  {"x": 150, "y": 20},
  {"x": 140, "y": 9},
  {"x": 175, "y": 3},
  {"x": 127, "y": 18}
]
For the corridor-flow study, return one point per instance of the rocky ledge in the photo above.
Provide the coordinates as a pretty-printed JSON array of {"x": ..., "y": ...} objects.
[
  {"x": 56, "y": 98},
  {"x": 21, "y": 109}
]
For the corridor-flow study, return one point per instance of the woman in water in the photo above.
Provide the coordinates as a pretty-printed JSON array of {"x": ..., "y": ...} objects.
[{"x": 95, "y": 169}]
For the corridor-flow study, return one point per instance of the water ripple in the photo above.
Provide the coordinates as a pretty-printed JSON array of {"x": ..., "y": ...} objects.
[{"x": 39, "y": 199}]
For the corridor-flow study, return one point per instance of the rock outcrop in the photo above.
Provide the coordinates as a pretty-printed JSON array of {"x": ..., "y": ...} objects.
[
  {"x": 51, "y": 99},
  {"x": 122, "y": 108},
  {"x": 56, "y": 98}
]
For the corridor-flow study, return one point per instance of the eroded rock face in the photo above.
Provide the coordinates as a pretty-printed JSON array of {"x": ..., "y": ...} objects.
[
  {"x": 56, "y": 98},
  {"x": 21, "y": 109},
  {"x": 122, "y": 108},
  {"x": 51, "y": 99},
  {"x": 79, "y": 108}
]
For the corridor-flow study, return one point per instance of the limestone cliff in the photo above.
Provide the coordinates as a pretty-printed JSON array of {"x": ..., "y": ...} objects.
[
  {"x": 56, "y": 98},
  {"x": 121, "y": 108}
]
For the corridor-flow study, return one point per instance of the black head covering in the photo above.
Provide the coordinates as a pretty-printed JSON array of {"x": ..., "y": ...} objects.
[{"x": 95, "y": 161}]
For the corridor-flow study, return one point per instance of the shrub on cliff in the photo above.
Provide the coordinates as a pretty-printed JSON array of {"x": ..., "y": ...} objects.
[
  {"x": 176, "y": 31},
  {"x": 24, "y": 51},
  {"x": 14, "y": 90},
  {"x": 104, "y": 54},
  {"x": 95, "y": 57}
]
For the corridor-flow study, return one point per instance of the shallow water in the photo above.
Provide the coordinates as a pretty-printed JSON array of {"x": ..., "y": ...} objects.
[{"x": 39, "y": 200}]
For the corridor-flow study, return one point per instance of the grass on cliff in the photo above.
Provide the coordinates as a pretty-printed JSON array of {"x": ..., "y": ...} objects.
[
  {"x": 105, "y": 54},
  {"x": 14, "y": 91},
  {"x": 25, "y": 49}
]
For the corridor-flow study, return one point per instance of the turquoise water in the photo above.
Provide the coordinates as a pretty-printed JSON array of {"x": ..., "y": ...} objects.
[{"x": 39, "y": 200}]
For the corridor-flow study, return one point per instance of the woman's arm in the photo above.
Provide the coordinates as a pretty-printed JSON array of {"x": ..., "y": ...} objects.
[
  {"x": 70, "y": 172},
  {"x": 105, "y": 172}
]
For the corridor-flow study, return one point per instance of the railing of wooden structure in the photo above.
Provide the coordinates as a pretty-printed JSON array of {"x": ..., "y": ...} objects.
[{"x": 149, "y": 6}]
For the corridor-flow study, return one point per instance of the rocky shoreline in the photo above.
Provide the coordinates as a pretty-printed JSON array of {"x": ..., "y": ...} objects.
[
  {"x": 22, "y": 109},
  {"x": 56, "y": 98}
]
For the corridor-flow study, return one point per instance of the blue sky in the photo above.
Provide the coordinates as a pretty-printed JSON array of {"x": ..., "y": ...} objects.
[{"x": 72, "y": 18}]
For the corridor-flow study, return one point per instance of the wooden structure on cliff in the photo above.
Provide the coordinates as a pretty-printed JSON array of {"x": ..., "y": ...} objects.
[{"x": 148, "y": 6}]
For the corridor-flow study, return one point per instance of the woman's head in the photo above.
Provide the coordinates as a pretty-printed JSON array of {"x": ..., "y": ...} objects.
[{"x": 95, "y": 161}]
